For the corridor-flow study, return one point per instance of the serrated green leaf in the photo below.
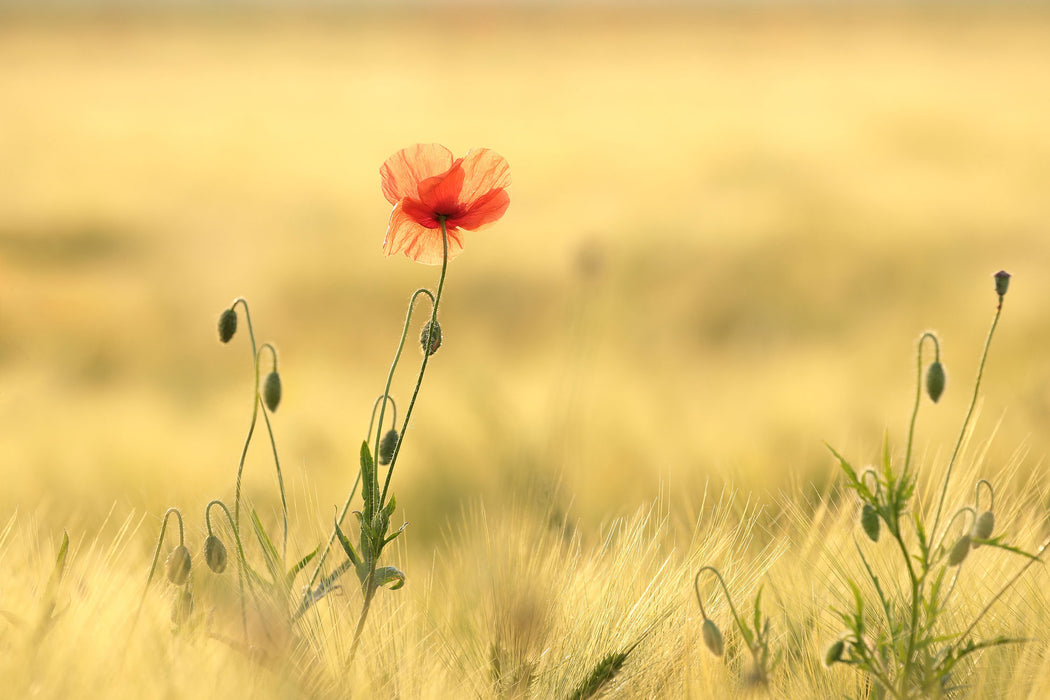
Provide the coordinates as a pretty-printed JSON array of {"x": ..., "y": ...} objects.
[
  {"x": 351, "y": 553},
  {"x": 390, "y": 506},
  {"x": 392, "y": 537},
  {"x": 369, "y": 482}
]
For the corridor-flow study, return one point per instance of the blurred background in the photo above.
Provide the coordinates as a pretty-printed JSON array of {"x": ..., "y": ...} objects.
[{"x": 729, "y": 225}]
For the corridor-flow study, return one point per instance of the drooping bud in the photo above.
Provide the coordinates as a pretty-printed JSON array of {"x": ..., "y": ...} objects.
[
  {"x": 1002, "y": 282},
  {"x": 227, "y": 325},
  {"x": 387, "y": 446},
  {"x": 182, "y": 607},
  {"x": 935, "y": 380},
  {"x": 272, "y": 391},
  {"x": 435, "y": 337},
  {"x": 869, "y": 520},
  {"x": 215, "y": 554},
  {"x": 983, "y": 526},
  {"x": 178, "y": 565},
  {"x": 712, "y": 637},
  {"x": 833, "y": 654},
  {"x": 959, "y": 551}
]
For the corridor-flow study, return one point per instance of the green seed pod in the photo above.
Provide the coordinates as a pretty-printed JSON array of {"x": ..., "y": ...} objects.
[
  {"x": 959, "y": 551},
  {"x": 272, "y": 391},
  {"x": 215, "y": 554},
  {"x": 227, "y": 325},
  {"x": 833, "y": 654},
  {"x": 435, "y": 337},
  {"x": 387, "y": 446},
  {"x": 935, "y": 380},
  {"x": 182, "y": 607},
  {"x": 178, "y": 565},
  {"x": 983, "y": 526},
  {"x": 869, "y": 520},
  {"x": 712, "y": 637},
  {"x": 1002, "y": 282}
]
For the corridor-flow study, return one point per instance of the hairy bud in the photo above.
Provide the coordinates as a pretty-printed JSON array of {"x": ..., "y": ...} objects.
[
  {"x": 387, "y": 446},
  {"x": 1002, "y": 282},
  {"x": 869, "y": 520},
  {"x": 959, "y": 551},
  {"x": 712, "y": 637},
  {"x": 178, "y": 565},
  {"x": 935, "y": 380},
  {"x": 272, "y": 391},
  {"x": 227, "y": 325},
  {"x": 215, "y": 554},
  {"x": 435, "y": 337}
]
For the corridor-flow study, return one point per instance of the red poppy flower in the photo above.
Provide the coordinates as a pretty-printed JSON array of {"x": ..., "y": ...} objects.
[{"x": 425, "y": 185}]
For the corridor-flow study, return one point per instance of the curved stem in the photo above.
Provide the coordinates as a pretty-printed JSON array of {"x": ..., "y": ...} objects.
[
  {"x": 160, "y": 543},
  {"x": 422, "y": 366},
  {"x": 375, "y": 407},
  {"x": 280, "y": 484},
  {"x": 977, "y": 495},
  {"x": 386, "y": 394},
  {"x": 918, "y": 394},
  {"x": 729, "y": 598},
  {"x": 255, "y": 413},
  {"x": 969, "y": 415}
]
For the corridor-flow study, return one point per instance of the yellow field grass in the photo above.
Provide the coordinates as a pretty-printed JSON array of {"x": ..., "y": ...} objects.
[{"x": 727, "y": 230}]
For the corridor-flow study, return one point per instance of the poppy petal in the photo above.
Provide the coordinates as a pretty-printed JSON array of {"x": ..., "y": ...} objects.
[
  {"x": 485, "y": 171},
  {"x": 405, "y": 235},
  {"x": 486, "y": 209},
  {"x": 403, "y": 171}
]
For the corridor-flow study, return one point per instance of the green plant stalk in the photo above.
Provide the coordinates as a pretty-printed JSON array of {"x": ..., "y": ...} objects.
[
  {"x": 382, "y": 411},
  {"x": 969, "y": 415},
  {"x": 918, "y": 394},
  {"x": 369, "y": 585}
]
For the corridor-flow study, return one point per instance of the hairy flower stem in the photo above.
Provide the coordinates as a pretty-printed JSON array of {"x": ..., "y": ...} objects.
[
  {"x": 969, "y": 415},
  {"x": 918, "y": 394},
  {"x": 385, "y": 398},
  {"x": 729, "y": 598},
  {"x": 369, "y": 583}
]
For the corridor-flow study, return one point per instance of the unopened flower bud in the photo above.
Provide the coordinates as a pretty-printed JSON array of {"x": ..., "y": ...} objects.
[
  {"x": 833, "y": 654},
  {"x": 1002, "y": 282},
  {"x": 215, "y": 554},
  {"x": 227, "y": 325},
  {"x": 712, "y": 637},
  {"x": 182, "y": 607},
  {"x": 387, "y": 446},
  {"x": 178, "y": 565},
  {"x": 869, "y": 520},
  {"x": 959, "y": 551},
  {"x": 983, "y": 526},
  {"x": 272, "y": 391},
  {"x": 434, "y": 336},
  {"x": 935, "y": 380}
]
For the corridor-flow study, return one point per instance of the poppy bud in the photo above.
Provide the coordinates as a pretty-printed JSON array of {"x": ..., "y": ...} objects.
[
  {"x": 983, "y": 526},
  {"x": 869, "y": 520},
  {"x": 227, "y": 325},
  {"x": 935, "y": 381},
  {"x": 387, "y": 446},
  {"x": 1002, "y": 282},
  {"x": 272, "y": 391},
  {"x": 178, "y": 565},
  {"x": 959, "y": 551},
  {"x": 215, "y": 554},
  {"x": 833, "y": 654},
  {"x": 182, "y": 607},
  {"x": 435, "y": 337},
  {"x": 712, "y": 637}
]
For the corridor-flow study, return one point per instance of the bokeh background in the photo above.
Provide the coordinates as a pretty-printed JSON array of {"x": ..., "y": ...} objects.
[{"x": 729, "y": 225}]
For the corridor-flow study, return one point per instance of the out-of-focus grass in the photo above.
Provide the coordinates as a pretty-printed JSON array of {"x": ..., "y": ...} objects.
[{"x": 727, "y": 230}]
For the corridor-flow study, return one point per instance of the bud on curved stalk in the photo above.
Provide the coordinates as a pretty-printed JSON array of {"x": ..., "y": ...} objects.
[
  {"x": 435, "y": 337},
  {"x": 959, "y": 551},
  {"x": 869, "y": 520},
  {"x": 712, "y": 637},
  {"x": 182, "y": 607},
  {"x": 272, "y": 391},
  {"x": 387, "y": 446},
  {"x": 178, "y": 565},
  {"x": 935, "y": 381},
  {"x": 833, "y": 654},
  {"x": 215, "y": 554},
  {"x": 227, "y": 325}
]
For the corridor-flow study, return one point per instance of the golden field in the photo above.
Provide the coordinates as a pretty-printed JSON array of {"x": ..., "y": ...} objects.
[{"x": 727, "y": 231}]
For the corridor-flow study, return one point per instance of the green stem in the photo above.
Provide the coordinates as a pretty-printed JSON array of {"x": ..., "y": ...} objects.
[
  {"x": 729, "y": 598},
  {"x": 423, "y": 365},
  {"x": 969, "y": 415},
  {"x": 918, "y": 394},
  {"x": 382, "y": 411},
  {"x": 255, "y": 414}
]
